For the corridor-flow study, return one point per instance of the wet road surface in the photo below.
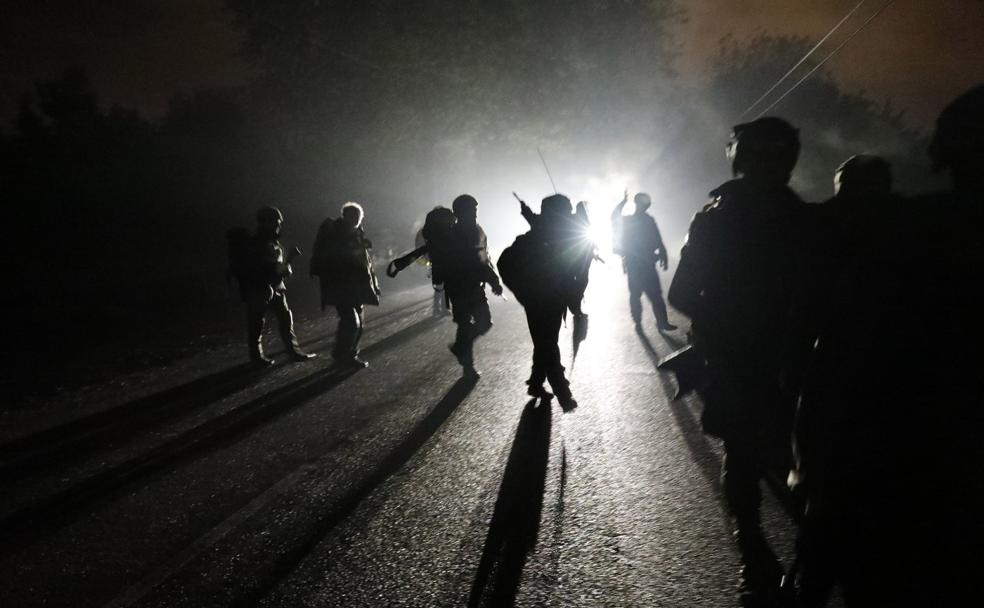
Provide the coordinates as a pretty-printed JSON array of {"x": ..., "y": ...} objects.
[{"x": 208, "y": 483}]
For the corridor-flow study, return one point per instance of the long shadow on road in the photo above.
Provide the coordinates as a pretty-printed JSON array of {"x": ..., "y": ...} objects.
[
  {"x": 700, "y": 446},
  {"x": 515, "y": 522},
  {"x": 28, "y": 455},
  {"x": 45, "y": 449},
  {"x": 59, "y": 507},
  {"x": 250, "y": 594}
]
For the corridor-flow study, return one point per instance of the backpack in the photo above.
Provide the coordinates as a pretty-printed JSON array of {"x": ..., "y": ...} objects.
[
  {"x": 522, "y": 269},
  {"x": 321, "y": 251}
]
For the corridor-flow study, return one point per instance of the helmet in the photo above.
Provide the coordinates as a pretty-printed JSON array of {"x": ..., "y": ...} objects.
[
  {"x": 863, "y": 175},
  {"x": 556, "y": 204},
  {"x": 462, "y": 202},
  {"x": 767, "y": 145},
  {"x": 269, "y": 214},
  {"x": 959, "y": 135}
]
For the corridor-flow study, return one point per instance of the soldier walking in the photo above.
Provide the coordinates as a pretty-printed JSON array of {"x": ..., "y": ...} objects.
[
  {"x": 262, "y": 268},
  {"x": 737, "y": 281},
  {"x": 546, "y": 269},
  {"x": 342, "y": 261},
  {"x": 641, "y": 247},
  {"x": 465, "y": 276}
]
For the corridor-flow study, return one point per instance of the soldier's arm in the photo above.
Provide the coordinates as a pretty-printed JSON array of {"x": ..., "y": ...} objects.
[
  {"x": 527, "y": 213},
  {"x": 617, "y": 212},
  {"x": 661, "y": 254},
  {"x": 691, "y": 274}
]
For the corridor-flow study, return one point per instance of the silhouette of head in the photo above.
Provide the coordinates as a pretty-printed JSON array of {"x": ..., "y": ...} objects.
[
  {"x": 765, "y": 149},
  {"x": 556, "y": 205},
  {"x": 352, "y": 215},
  {"x": 958, "y": 142},
  {"x": 863, "y": 177},
  {"x": 465, "y": 208},
  {"x": 268, "y": 221},
  {"x": 642, "y": 202}
]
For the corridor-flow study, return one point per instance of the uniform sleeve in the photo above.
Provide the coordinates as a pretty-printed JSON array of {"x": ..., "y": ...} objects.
[{"x": 691, "y": 275}]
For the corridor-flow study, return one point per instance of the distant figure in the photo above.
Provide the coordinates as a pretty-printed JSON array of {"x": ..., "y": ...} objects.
[
  {"x": 641, "y": 248},
  {"x": 738, "y": 281},
  {"x": 343, "y": 263},
  {"x": 464, "y": 281},
  {"x": 545, "y": 269},
  {"x": 889, "y": 426},
  {"x": 261, "y": 266}
]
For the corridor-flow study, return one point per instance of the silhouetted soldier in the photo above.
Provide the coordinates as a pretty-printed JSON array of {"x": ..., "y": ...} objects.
[
  {"x": 458, "y": 251},
  {"x": 464, "y": 277},
  {"x": 342, "y": 262},
  {"x": 737, "y": 281},
  {"x": 264, "y": 269},
  {"x": 888, "y": 434},
  {"x": 641, "y": 248},
  {"x": 580, "y": 235},
  {"x": 542, "y": 268}
]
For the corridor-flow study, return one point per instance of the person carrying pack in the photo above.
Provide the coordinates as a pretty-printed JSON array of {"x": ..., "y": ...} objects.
[
  {"x": 261, "y": 267},
  {"x": 545, "y": 269},
  {"x": 342, "y": 262}
]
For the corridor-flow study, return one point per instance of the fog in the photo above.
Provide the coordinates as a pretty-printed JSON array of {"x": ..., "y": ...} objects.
[{"x": 399, "y": 106}]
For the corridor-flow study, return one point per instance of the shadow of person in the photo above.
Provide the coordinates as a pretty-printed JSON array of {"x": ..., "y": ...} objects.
[{"x": 516, "y": 519}]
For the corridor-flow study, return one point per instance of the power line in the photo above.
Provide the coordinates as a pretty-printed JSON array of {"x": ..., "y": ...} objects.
[
  {"x": 827, "y": 58},
  {"x": 802, "y": 59}
]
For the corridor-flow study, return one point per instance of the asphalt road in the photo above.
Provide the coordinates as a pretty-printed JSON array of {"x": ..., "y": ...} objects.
[{"x": 206, "y": 483}]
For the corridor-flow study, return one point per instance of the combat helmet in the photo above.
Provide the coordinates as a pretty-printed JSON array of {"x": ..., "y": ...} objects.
[
  {"x": 765, "y": 146},
  {"x": 556, "y": 204},
  {"x": 959, "y": 137}
]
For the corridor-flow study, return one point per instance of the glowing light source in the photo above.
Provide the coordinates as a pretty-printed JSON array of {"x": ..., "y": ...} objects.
[{"x": 602, "y": 194}]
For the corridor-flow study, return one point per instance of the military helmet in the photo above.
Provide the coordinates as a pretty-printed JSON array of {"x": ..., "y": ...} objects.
[
  {"x": 463, "y": 201},
  {"x": 556, "y": 204},
  {"x": 269, "y": 214},
  {"x": 959, "y": 135},
  {"x": 863, "y": 174},
  {"x": 769, "y": 143}
]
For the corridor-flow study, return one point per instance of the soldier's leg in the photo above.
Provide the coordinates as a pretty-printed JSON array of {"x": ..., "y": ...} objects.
[
  {"x": 285, "y": 320},
  {"x": 359, "y": 325},
  {"x": 743, "y": 467},
  {"x": 481, "y": 313},
  {"x": 345, "y": 335},
  {"x": 654, "y": 292},
  {"x": 461, "y": 314},
  {"x": 538, "y": 373},
  {"x": 635, "y": 294},
  {"x": 555, "y": 369},
  {"x": 255, "y": 312}
]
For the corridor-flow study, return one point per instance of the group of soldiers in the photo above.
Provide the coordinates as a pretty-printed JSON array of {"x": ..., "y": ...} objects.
[{"x": 840, "y": 341}]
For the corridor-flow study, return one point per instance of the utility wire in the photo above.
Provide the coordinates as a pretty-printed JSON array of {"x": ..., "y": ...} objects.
[
  {"x": 827, "y": 58},
  {"x": 802, "y": 59}
]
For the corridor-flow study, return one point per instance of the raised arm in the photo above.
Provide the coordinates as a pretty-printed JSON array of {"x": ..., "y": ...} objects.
[{"x": 617, "y": 212}]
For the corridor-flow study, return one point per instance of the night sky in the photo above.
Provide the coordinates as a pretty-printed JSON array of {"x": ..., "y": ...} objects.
[{"x": 140, "y": 53}]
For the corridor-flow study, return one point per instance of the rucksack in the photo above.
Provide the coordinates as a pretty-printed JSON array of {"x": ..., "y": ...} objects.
[
  {"x": 321, "y": 251},
  {"x": 521, "y": 269}
]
